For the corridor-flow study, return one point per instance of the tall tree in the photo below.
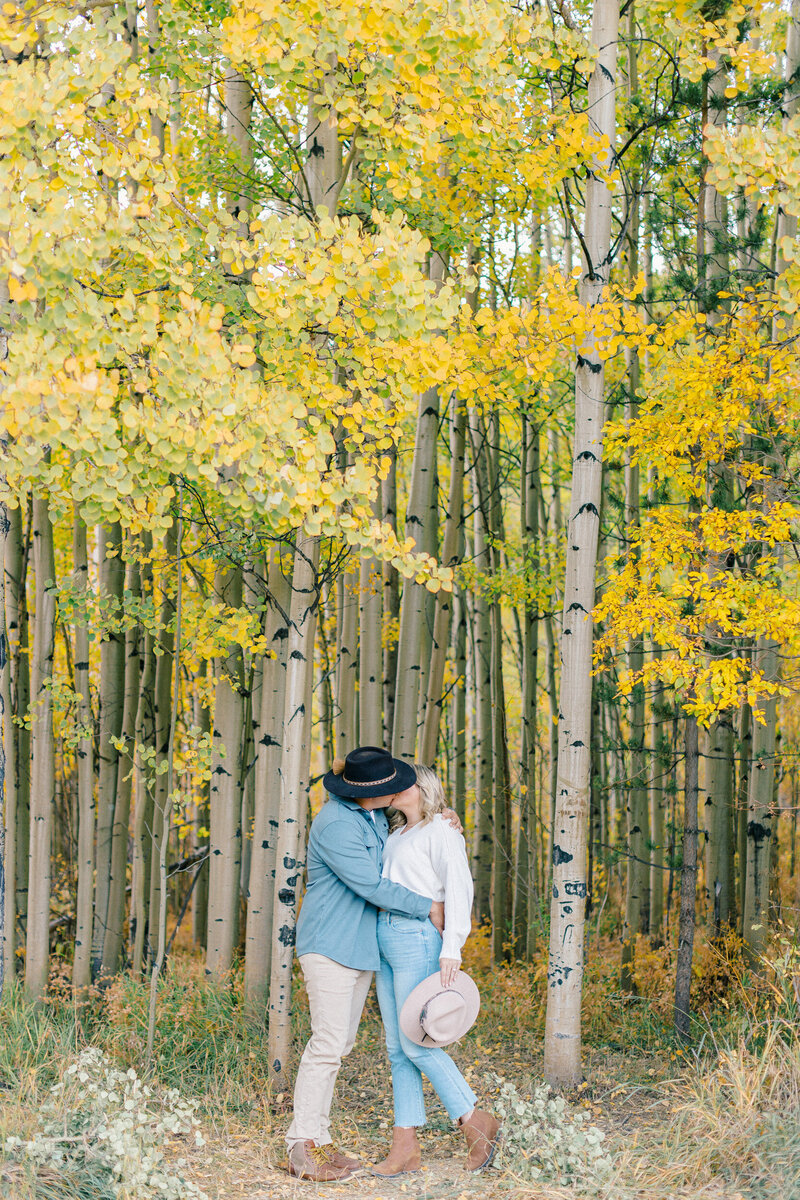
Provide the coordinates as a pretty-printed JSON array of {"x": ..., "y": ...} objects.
[{"x": 565, "y": 966}]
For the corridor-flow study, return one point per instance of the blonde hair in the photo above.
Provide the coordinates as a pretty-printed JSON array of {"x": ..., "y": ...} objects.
[{"x": 431, "y": 795}]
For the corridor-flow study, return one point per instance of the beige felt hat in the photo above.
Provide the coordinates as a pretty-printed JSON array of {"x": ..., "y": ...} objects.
[{"x": 436, "y": 1016}]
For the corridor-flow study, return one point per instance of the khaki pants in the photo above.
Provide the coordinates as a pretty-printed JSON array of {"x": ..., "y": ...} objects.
[{"x": 336, "y": 996}]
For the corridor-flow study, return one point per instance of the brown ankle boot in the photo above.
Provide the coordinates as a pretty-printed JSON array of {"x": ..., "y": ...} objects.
[
  {"x": 403, "y": 1157},
  {"x": 482, "y": 1132},
  {"x": 308, "y": 1161}
]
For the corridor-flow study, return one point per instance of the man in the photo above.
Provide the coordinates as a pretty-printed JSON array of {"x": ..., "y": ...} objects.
[{"x": 337, "y": 943}]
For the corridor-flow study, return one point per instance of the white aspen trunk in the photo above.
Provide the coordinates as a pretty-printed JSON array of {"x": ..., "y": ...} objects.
[
  {"x": 458, "y": 710},
  {"x": 162, "y": 709},
  {"x": 17, "y": 784},
  {"x": 202, "y": 719},
  {"x": 412, "y": 662},
  {"x": 527, "y": 856},
  {"x": 482, "y": 658},
  {"x": 344, "y": 723},
  {"x": 37, "y": 954},
  {"x": 143, "y": 792},
  {"x": 717, "y": 818},
  {"x": 111, "y": 702},
  {"x": 445, "y": 600},
  {"x": 225, "y": 842},
  {"x": 266, "y": 820},
  {"x": 82, "y": 961},
  {"x": 562, "y": 1063},
  {"x": 391, "y": 602},
  {"x": 112, "y": 943},
  {"x": 683, "y": 967},
  {"x": 370, "y": 654},
  {"x": 238, "y": 116},
  {"x": 759, "y": 814},
  {"x": 293, "y": 783}
]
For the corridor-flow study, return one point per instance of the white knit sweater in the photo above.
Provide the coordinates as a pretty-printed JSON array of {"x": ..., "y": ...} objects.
[{"x": 431, "y": 859}]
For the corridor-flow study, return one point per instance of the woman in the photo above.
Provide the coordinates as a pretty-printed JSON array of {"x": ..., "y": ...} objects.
[{"x": 426, "y": 855}]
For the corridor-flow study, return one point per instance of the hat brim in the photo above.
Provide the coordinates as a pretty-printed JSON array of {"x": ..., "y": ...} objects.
[
  {"x": 404, "y": 776},
  {"x": 423, "y": 992}
]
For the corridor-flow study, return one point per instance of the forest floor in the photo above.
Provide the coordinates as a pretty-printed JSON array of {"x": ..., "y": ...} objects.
[{"x": 718, "y": 1120}]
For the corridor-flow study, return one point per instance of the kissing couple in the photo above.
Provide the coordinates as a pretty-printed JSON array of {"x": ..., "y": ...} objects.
[{"x": 390, "y": 896}]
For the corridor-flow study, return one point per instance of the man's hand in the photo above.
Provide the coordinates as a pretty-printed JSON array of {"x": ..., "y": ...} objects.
[
  {"x": 437, "y": 914},
  {"x": 451, "y": 815},
  {"x": 448, "y": 969}
]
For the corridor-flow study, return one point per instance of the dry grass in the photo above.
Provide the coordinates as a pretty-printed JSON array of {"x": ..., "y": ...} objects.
[{"x": 717, "y": 1123}]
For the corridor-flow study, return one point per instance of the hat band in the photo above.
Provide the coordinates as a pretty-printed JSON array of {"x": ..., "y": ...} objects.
[{"x": 368, "y": 782}]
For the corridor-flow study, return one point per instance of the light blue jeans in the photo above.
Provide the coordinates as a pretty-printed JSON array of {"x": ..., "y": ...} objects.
[{"x": 410, "y": 952}]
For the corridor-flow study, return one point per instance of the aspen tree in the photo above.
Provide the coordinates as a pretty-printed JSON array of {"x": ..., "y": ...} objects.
[
  {"x": 344, "y": 722},
  {"x": 202, "y": 721},
  {"x": 391, "y": 601},
  {"x": 110, "y": 707},
  {"x": 444, "y": 601},
  {"x": 370, "y": 655},
  {"x": 37, "y": 946},
  {"x": 18, "y": 742},
  {"x": 637, "y": 906},
  {"x": 482, "y": 667},
  {"x": 155, "y": 830},
  {"x": 267, "y": 812},
  {"x": 755, "y": 919},
  {"x": 112, "y": 943},
  {"x": 527, "y": 868},
  {"x": 143, "y": 786},
  {"x": 683, "y": 965},
  {"x": 81, "y": 963},
  {"x": 415, "y": 637},
  {"x": 565, "y": 968},
  {"x": 225, "y": 837},
  {"x": 293, "y": 783},
  {"x": 458, "y": 707}
]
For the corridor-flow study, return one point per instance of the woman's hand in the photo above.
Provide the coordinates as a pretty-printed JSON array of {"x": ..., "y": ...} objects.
[
  {"x": 450, "y": 815},
  {"x": 448, "y": 969},
  {"x": 436, "y": 915}
]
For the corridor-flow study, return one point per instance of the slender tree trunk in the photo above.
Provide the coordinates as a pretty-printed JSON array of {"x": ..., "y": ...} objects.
[
  {"x": 718, "y": 822},
  {"x": 445, "y": 600},
  {"x": 144, "y": 785},
  {"x": 660, "y": 766},
  {"x": 759, "y": 814},
  {"x": 391, "y": 602},
  {"x": 562, "y": 1063},
  {"x": 162, "y": 710},
  {"x": 458, "y": 710},
  {"x": 370, "y": 654},
  {"x": 683, "y": 969},
  {"x": 744, "y": 754},
  {"x": 37, "y": 955},
  {"x": 111, "y": 702},
  {"x": 113, "y": 943},
  {"x": 527, "y": 872},
  {"x": 412, "y": 661},
  {"x": 81, "y": 964},
  {"x": 18, "y": 746},
  {"x": 202, "y": 817},
  {"x": 293, "y": 782},
  {"x": 226, "y": 795},
  {"x": 344, "y": 723},
  {"x": 169, "y": 788},
  {"x": 482, "y": 641},
  {"x": 266, "y": 823}
]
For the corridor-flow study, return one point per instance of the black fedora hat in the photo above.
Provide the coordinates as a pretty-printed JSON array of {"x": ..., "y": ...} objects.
[{"x": 368, "y": 771}]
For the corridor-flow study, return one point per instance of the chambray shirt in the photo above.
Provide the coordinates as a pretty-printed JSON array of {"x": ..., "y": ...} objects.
[{"x": 339, "y": 915}]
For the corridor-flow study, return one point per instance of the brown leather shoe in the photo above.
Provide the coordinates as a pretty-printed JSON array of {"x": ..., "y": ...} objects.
[
  {"x": 404, "y": 1157},
  {"x": 482, "y": 1132},
  {"x": 307, "y": 1161},
  {"x": 337, "y": 1159}
]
